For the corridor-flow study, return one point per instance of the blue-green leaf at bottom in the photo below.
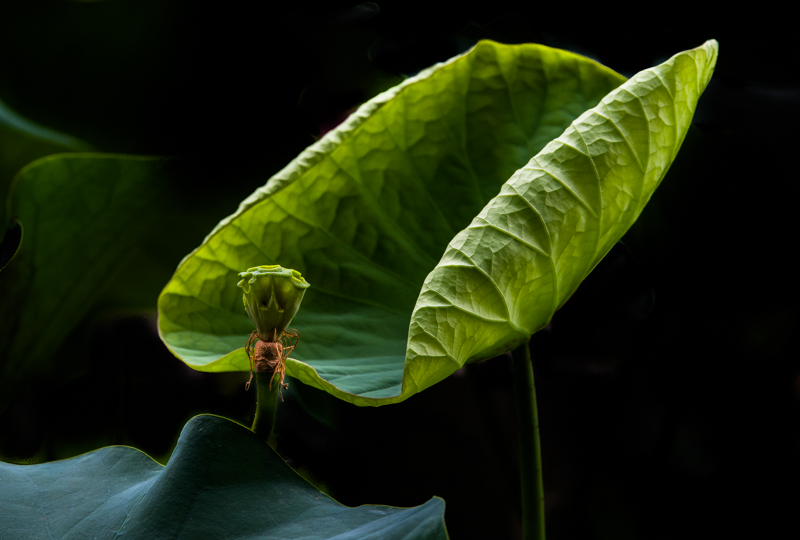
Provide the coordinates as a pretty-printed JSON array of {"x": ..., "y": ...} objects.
[{"x": 221, "y": 482}]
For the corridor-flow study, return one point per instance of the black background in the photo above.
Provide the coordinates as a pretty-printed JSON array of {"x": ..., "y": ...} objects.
[{"x": 668, "y": 387}]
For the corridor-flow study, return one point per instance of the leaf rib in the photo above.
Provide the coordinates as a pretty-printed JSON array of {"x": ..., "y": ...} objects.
[
  {"x": 465, "y": 310},
  {"x": 346, "y": 246},
  {"x": 318, "y": 289},
  {"x": 462, "y": 144},
  {"x": 198, "y": 298},
  {"x": 515, "y": 113},
  {"x": 419, "y": 180},
  {"x": 487, "y": 276},
  {"x": 554, "y": 303},
  {"x": 436, "y": 338},
  {"x": 258, "y": 245},
  {"x": 465, "y": 157},
  {"x": 399, "y": 234},
  {"x": 41, "y": 505},
  {"x": 551, "y": 175},
  {"x": 697, "y": 78},
  {"x": 624, "y": 137},
  {"x": 120, "y": 531},
  {"x": 600, "y": 190},
  {"x": 663, "y": 83},
  {"x": 643, "y": 200},
  {"x": 677, "y": 142},
  {"x": 508, "y": 233},
  {"x": 545, "y": 93}
]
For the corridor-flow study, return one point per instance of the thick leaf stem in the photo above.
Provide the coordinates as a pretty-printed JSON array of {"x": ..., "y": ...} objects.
[
  {"x": 266, "y": 404},
  {"x": 530, "y": 459}
]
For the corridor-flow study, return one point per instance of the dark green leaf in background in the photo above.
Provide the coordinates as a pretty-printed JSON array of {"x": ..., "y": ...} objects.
[
  {"x": 221, "y": 482},
  {"x": 100, "y": 233},
  {"x": 83, "y": 217}
]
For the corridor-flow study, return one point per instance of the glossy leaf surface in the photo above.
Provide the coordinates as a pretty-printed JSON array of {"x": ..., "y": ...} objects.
[
  {"x": 222, "y": 481},
  {"x": 366, "y": 213}
]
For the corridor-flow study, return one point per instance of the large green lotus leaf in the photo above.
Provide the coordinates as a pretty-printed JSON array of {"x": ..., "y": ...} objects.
[
  {"x": 221, "y": 482},
  {"x": 366, "y": 212},
  {"x": 84, "y": 216}
]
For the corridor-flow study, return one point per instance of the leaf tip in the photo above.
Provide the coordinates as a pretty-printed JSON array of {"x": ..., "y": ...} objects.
[{"x": 711, "y": 50}]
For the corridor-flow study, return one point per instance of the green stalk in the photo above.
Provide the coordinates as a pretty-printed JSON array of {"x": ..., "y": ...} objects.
[
  {"x": 266, "y": 404},
  {"x": 530, "y": 457}
]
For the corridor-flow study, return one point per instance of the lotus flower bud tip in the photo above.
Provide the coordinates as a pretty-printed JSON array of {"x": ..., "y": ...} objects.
[{"x": 272, "y": 296}]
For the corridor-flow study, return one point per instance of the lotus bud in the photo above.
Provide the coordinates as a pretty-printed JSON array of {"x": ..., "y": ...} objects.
[{"x": 272, "y": 296}]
